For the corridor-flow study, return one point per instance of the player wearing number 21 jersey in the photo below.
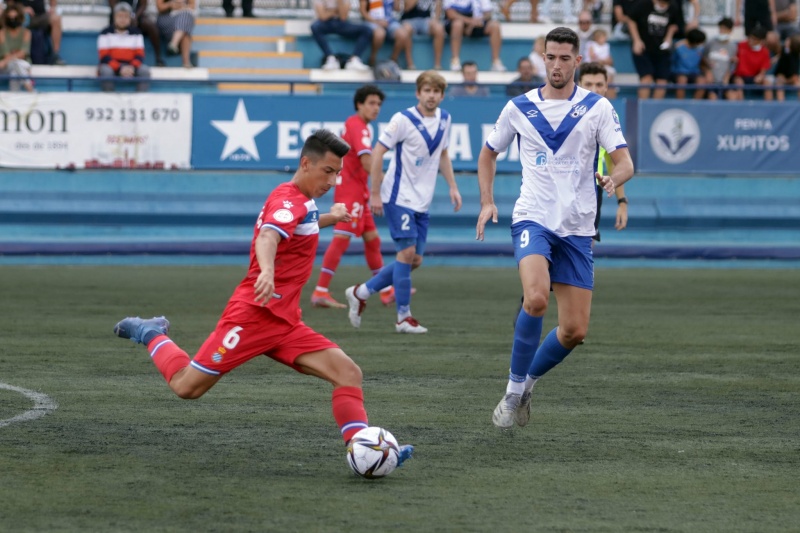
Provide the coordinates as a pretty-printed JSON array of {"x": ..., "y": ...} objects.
[
  {"x": 559, "y": 128},
  {"x": 263, "y": 315}
]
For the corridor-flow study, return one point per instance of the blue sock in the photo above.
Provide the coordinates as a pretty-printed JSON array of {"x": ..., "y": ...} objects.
[
  {"x": 527, "y": 333},
  {"x": 402, "y": 286},
  {"x": 549, "y": 354},
  {"x": 381, "y": 280}
]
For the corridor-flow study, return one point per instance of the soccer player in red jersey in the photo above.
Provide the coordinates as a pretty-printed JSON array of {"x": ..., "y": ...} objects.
[
  {"x": 263, "y": 316},
  {"x": 352, "y": 189}
]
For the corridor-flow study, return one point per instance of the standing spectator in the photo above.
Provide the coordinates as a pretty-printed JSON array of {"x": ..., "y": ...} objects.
[
  {"x": 379, "y": 15},
  {"x": 686, "y": 62},
  {"x": 756, "y": 13},
  {"x": 176, "y": 22},
  {"x": 470, "y": 86},
  {"x": 247, "y": 8},
  {"x": 332, "y": 19},
  {"x": 652, "y": 25},
  {"x": 46, "y": 21},
  {"x": 423, "y": 17},
  {"x": 719, "y": 57},
  {"x": 15, "y": 49},
  {"x": 599, "y": 51},
  {"x": 619, "y": 19},
  {"x": 752, "y": 63},
  {"x": 688, "y": 16},
  {"x": 145, "y": 21},
  {"x": 786, "y": 18},
  {"x": 527, "y": 80},
  {"x": 472, "y": 19},
  {"x": 786, "y": 71},
  {"x": 121, "y": 50}
]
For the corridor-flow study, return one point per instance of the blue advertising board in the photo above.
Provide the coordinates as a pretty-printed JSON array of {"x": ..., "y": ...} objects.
[
  {"x": 242, "y": 132},
  {"x": 718, "y": 137}
]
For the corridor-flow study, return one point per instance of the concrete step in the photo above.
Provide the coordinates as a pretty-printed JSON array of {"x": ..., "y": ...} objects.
[
  {"x": 239, "y": 27},
  {"x": 243, "y": 44},
  {"x": 258, "y": 60},
  {"x": 259, "y": 74},
  {"x": 270, "y": 88}
]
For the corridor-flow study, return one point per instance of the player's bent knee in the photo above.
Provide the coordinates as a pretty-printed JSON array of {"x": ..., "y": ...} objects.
[
  {"x": 572, "y": 336},
  {"x": 417, "y": 262},
  {"x": 535, "y": 304}
]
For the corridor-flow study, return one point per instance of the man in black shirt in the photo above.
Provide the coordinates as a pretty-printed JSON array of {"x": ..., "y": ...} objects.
[{"x": 652, "y": 25}]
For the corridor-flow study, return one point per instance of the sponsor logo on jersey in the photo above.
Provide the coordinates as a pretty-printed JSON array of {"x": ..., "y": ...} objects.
[
  {"x": 287, "y": 204},
  {"x": 283, "y": 215},
  {"x": 674, "y": 136},
  {"x": 615, "y": 116},
  {"x": 541, "y": 159}
]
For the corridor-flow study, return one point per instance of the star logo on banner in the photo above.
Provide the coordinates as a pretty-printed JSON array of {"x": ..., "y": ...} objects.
[{"x": 241, "y": 132}]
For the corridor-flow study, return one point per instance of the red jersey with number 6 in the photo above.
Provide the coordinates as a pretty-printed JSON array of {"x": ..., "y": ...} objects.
[
  {"x": 296, "y": 218},
  {"x": 354, "y": 179}
]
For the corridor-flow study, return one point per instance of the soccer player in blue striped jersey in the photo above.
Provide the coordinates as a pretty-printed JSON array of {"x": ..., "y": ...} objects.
[
  {"x": 419, "y": 137},
  {"x": 559, "y": 128}
]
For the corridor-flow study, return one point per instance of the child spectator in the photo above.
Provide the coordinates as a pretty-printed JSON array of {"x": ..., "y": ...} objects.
[
  {"x": 121, "y": 50},
  {"x": 752, "y": 63},
  {"x": 468, "y": 18},
  {"x": 379, "y": 15},
  {"x": 15, "y": 49},
  {"x": 599, "y": 51},
  {"x": 332, "y": 19},
  {"x": 176, "y": 23},
  {"x": 143, "y": 19},
  {"x": 786, "y": 71},
  {"x": 719, "y": 57},
  {"x": 686, "y": 62},
  {"x": 423, "y": 18}
]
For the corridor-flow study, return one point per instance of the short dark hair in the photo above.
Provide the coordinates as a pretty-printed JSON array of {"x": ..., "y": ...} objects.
[
  {"x": 695, "y": 36},
  {"x": 468, "y": 64},
  {"x": 564, "y": 35},
  {"x": 523, "y": 59},
  {"x": 727, "y": 22},
  {"x": 587, "y": 69},
  {"x": 365, "y": 92},
  {"x": 759, "y": 32},
  {"x": 321, "y": 142}
]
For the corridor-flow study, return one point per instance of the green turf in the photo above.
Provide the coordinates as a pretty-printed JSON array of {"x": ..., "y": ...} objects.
[{"x": 679, "y": 414}]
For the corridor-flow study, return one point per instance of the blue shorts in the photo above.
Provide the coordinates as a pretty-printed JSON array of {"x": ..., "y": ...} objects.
[
  {"x": 407, "y": 227},
  {"x": 570, "y": 258}
]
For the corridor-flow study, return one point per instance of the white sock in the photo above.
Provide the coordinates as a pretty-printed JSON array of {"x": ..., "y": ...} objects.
[
  {"x": 515, "y": 387},
  {"x": 529, "y": 383},
  {"x": 362, "y": 292},
  {"x": 403, "y": 315}
]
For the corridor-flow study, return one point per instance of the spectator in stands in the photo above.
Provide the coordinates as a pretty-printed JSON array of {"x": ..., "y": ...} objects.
[
  {"x": 121, "y": 50},
  {"x": 786, "y": 19},
  {"x": 568, "y": 10},
  {"x": 688, "y": 16},
  {"x": 469, "y": 87},
  {"x": 537, "y": 57},
  {"x": 652, "y": 25},
  {"x": 719, "y": 58},
  {"x": 756, "y": 13},
  {"x": 585, "y": 30},
  {"x": 145, "y": 21},
  {"x": 752, "y": 63},
  {"x": 686, "y": 62},
  {"x": 247, "y": 8},
  {"x": 379, "y": 15},
  {"x": 619, "y": 19},
  {"x": 15, "y": 49},
  {"x": 599, "y": 51},
  {"x": 46, "y": 21},
  {"x": 176, "y": 23},
  {"x": 332, "y": 18},
  {"x": 527, "y": 80},
  {"x": 423, "y": 18},
  {"x": 786, "y": 71},
  {"x": 472, "y": 19}
]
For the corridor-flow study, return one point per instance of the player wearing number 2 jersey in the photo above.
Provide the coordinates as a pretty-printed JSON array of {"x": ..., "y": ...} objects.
[
  {"x": 419, "y": 137},
  {"x": 559, "y": 128},
  {"x": 263, "y": 316}
]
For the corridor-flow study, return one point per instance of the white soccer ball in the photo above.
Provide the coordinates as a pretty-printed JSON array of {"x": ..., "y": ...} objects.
[{"x": 373, "y": 453}]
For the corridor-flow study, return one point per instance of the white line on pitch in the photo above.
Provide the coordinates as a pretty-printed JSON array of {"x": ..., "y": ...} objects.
[{"x": 42, "y": 405}]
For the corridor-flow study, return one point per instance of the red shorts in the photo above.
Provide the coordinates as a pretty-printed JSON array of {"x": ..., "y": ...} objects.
[
  {"x": 246, "y": 331},
  {"x": 362, "y": 219}
]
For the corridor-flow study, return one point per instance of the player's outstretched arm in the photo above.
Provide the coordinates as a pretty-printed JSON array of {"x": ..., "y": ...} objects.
[
  {"x": 376, "y": 179},
  {"x": 266, "y": 247},
  {"x": 446, "y": 168},
  {"x": 338, "y": 213},
  {"x": 487, "y": 167}
]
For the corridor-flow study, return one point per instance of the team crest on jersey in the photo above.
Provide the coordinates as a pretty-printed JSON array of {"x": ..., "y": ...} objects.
[
  {"x": 420, "y": 127},
  {"x": 578, "y": 111},
  {"x": 217, "y": 357},
  {"x": 283, "y": 215},
  {"x": 287, "y": 204}
]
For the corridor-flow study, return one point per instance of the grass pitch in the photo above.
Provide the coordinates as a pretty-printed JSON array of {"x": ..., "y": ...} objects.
[{"x": 680, "y": 413}]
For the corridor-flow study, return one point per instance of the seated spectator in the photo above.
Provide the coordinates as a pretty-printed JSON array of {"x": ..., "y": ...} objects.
[
  {"x": 379, "y": 15},
  {"x": 332, "y": 19},
  {"x": 527, "y": 80},
  {"x": 752, "y": 63},
  {"x": 176, "y": 23},
  {"x": 719, "y": 57},
  {"x": 599, "y": 51},
  {"x": 422, "y": 17},
  {"x": 686, "y": 62},
  {"x": 585, "y": 30},
  {"x": 48, "y": 22},
  {"x": 537, "y": 57},
  {"x": 469, "y": 87},
  {"x": 145, "y": 21},
  {"x": 472, "y": 19},
  {"x": 788, "y": 66},
  {"x": 15, "y": 49},
  {"x": 121, "y": 50},
  {"x": 652, "y": 25}
]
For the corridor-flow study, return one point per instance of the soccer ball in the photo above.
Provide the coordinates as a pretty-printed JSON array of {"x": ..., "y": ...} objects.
[{"x": 373, "y": 453}]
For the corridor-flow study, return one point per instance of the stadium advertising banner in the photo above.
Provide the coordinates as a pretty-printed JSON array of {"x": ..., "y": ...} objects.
[
  {"x": 718, "y": 137},
  {"x": 267, "y": 132},
  {"x": 95, "y": 130}
]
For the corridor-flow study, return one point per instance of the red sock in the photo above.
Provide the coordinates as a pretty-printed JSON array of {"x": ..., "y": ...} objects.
[
  {"x": 348, "y": 410},
  {"x": 167, "y": 356},
  {"x": 372, "y": 253},
  {"x": 330, "y": 262}
]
